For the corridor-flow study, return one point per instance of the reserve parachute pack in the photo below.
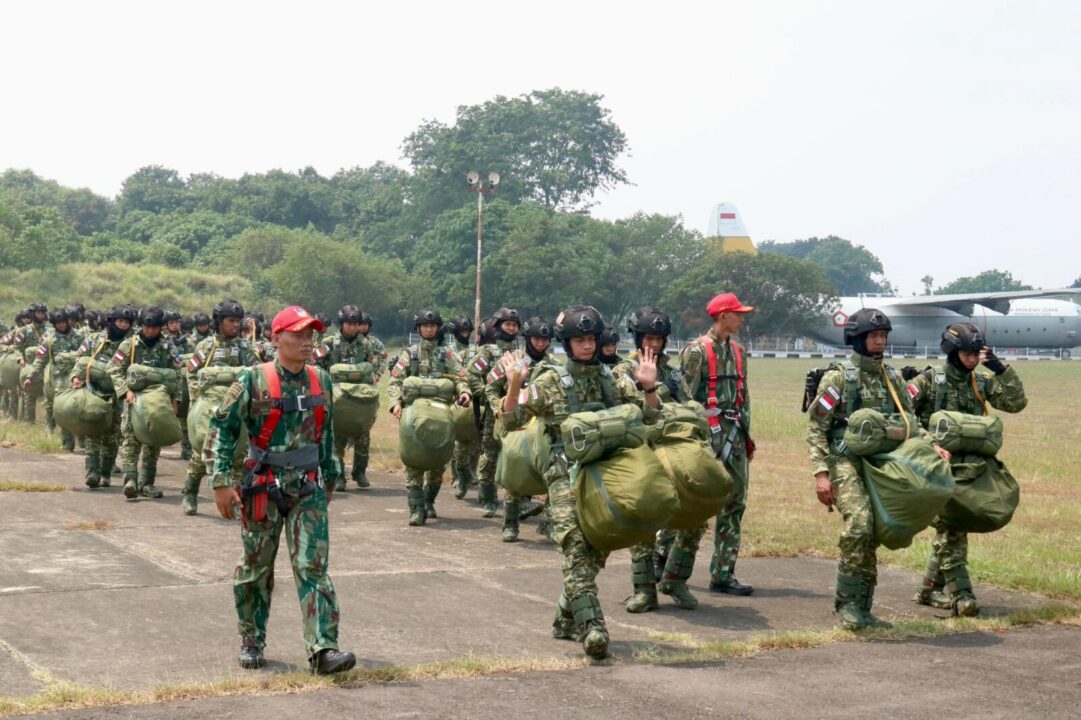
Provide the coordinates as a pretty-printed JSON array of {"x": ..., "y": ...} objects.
[
  {"x": 152, "y": 418},
  {"x": 356, "y": 399},
  {"x": 985, "y": 497},
  {"x": 702, "y": 484},
  {"x": 962, "y": 433},
  {"x": 588, "y": 436},
  {"x": 624, "y": 499},
  {"x": 426, "y": 434},
  {"x": 908, "y": 487},
  {"x": 415, "y": 388},
  {"x": 141, "y": 377},
  {"x": 82, "y": 412},
  {"x": 523, "y": 460},
  {"x": 869, "y": 432}
]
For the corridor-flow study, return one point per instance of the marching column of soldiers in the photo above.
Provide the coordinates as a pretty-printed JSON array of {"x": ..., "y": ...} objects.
[{"x": 276, "y": 398}]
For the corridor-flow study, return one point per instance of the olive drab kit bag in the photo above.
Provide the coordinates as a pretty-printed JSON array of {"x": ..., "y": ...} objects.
[
  {"x": 869, "y": 432},
  {"x": 702, "y": 484},
  {"x": 141, "y": 377},
  {"x": 356, "y": 399},
  {"x": 426, "y": 434},
  {"x": 26, "y": 372},
  {"x": 961, "y": 433},
  {"x": 587, "y": 436},
  {"x": 214, "y": 384},
  {"x": 152, "y": 418},
  {"x": 524, "y": 459},
  {"x": 986, "y": 495},
  {"x": 82, "y": 412},
  {"x": 9, "y": 370},
  {"x": 908, "y": 487},
  {"x": 415, "y": 388}
]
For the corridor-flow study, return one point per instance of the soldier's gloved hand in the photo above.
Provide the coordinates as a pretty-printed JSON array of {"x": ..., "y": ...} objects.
[
  {"x": 908, "y": 372},
  {"x": 992, "y": 362}
]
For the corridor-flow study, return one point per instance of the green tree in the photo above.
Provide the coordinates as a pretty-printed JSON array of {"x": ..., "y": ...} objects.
[
  {"x": 790, "y": 296},
  {"x": 987, "y": 281},
  {"x": 1077, "y": 282},
  {"x": 852, "y": 268},
  {"x": 554, "y": 147},
  {"x": 928, "y": 283},
  {"x": 153, "y": 189},
  {"x": 35, "y": 237}
]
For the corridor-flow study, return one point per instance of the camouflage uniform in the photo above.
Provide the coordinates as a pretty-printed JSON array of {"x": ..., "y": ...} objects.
[
  {"x": 64, "y": 345},
  {"x": 426, "y": 359},
  {"x": 306, "y": 527},
  {"x": 26, "y": 337},
  {"x": 578, "y": 612},
  {"x": 463, "y": 465},
  {"x": 136, "y": 350},
  {"x": 734, "y": 424},
  {"x": 183, "y": 348},
  {"x": 857, "y": 572},
  {"x": 215, "y": 351},
  {"x": 9, "y": 398},
  {"x": 952, "y": 388},
  {"x": 675, "y": 550},
  {"x": 358, "y": 349},
  {"x": 101, "y": 451},
  {"x": 482, "y": 371}
]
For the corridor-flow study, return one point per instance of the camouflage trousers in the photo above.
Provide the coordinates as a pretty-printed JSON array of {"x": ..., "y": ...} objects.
[
  {"x": 28, "y": 406},
  {"x": 101, "y": 451},
  {"x": 686, "y": 540},
  {"x": 950, "y": 547},
  {"x": 361, "y": 449},
  {"x": 466, "y": 455},
  {"x": 307, "y": 537},
  {"x": 489, "y": 451},
  {"x": 197, "y": 470},
  {"x": 857, "y": 543},
  {"x": 423, "y": 478},
  {"x": 727, "y": 529},
  {"x": 131, "y": 450},
  {"x": 9, "y": 403},
  {"x": 581, "y": 561}
]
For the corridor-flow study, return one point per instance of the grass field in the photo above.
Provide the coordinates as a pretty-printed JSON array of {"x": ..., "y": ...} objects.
[{"x": 1038, "y": 552}]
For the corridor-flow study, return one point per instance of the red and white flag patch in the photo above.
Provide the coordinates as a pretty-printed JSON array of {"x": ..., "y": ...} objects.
[
  {"x": 829, "y": 399},
  {"x": 120, "y": 357},
  {"x": 480, "y": 365},
  {"x": 913, "y": 391}
]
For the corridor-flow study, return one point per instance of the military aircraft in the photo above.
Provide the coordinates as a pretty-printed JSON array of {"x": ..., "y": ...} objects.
[{"x": 1032, "y": 319}]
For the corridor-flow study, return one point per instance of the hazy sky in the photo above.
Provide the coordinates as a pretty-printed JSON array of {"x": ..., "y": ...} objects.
[{"x": 946, "y": 137}]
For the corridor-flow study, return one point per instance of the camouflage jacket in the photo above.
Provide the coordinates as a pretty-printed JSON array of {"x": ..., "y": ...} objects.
[
  {"x": 218, "y": 351},
  {"x": 829, "y": 411},
  {"x": 949, "y": 388},
  {"x": 462, "y": 351},
  {"x": 350, "y": 351},
  {"x": 591, "y": 387},
  {"x": 54, "y": 344},
  {"x": 181, "y": 343},
  {"x": 100, "y": 348},
  {"x": 28, "y": 336},
  {"x": 695, "y": 367},
  {"x": 194, "y": 338},
  {"x": 380, "y": 351},
  {"x": 136, "y": 351},
  {"x": 426, "y": 359},
  {"x": 496, "y": 388},
  {"x": 483, "y": 370},
  {"x": 247, "y": 405},
  {"x": 671, "y": 387}
]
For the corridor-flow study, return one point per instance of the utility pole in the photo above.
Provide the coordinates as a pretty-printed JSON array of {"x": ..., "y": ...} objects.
[{"x": 481, "y": 189}]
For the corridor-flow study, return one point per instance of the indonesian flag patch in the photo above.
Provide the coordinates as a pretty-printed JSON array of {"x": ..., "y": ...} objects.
[
  {"x": 826, "y": 402},
  {"x": 120, "y": 357},
  {"x": 913, "y": 391},
  {"x": 41, "y": 351},
  {"x": 196, "y": 361},
  {"x": 320, "y": 352},
  {"x": 495, "y": 374},
  {"x": 396, "y": 370},
  {"x": 480, "y": 365}
]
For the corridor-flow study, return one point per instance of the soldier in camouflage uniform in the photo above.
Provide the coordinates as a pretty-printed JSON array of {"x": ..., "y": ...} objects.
[
  {"x": 57, "y": 350},
  {"x": 482, "y": 370},
  {"x": 289, "y": 484},
  {"x": 863, "y": 381},
  {"x": 147, "y": 347},
  {"x": 202, "y": 330},
  {"x": 458, "y": 332},
  {"x": 351, "y": 348},
  {"x": 538, "y": 334},
  {"x": 725, "y": 395},
  {"x": 958, "y": 386},
  {"x": 26, "y": 337},
  {"x": 426, "y": 359},
  {"x": 609, "y": 354},
  {"x": 9, "y": 397},
  {"x": 183, "y": 347},
  {"x": 100, "y": 347},
  {"x": 551, "y": 399},
  {"x": 366, "y": 325},
  {"x": 672, "y": 555},
  {"x": 225, "y": 348}
]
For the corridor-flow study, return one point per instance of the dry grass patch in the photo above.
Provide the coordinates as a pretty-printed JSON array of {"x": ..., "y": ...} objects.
[
  {"x": 93, "y": 525},
  {"x": 36, "y": 438},
  {"x": 30, "y": 487}
]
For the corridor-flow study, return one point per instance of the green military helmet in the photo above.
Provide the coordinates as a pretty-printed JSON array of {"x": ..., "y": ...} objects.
[
  {"x": 59, "y": 315},
  {"x": 460, "y": 326},
  {"x": 650, "y": 320},
  {"x": 863, "y": 321},
  {"x": 349, "y": 314},
  {"x": 152, "y": 316},
  {"x": 427, "y": 316},
  {"x": 225, "y": 309},
  {"x": 964, "y": 337},
  {"x": 503, "y": 315}
]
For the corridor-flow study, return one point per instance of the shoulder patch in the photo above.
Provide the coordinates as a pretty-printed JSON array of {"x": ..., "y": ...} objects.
[
  {"x": 119, "y": 357},
  {"x": 913, "y": 390}
]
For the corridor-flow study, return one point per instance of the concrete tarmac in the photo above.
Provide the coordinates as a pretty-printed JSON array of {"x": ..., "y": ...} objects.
[{"x": 111, "y": 593}]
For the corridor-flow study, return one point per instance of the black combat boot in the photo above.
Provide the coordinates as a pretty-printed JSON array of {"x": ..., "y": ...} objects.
[
  {"x": 251, "y": 657},
  {"x": 330, "y": 661},
  {"x": 592, "y": 632}
]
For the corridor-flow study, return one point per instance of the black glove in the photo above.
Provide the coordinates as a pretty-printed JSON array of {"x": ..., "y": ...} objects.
[
  {"x": 908, "y": 372},
  {"x": 992, "y": 363}
]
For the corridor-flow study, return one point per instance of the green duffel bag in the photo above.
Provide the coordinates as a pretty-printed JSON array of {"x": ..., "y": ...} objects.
[
  {"x": 183, "y": 403},
  {"x": 346, "y": 373},
  {"x": 961, "y": 433},
  {"x": 415, "y": 388},
  {"x": 523, "y": 460},
  {"x": 37, "y": 385},
  {"x": 465, "y": 425},
  {"x": 985, "y": 497},
  {"x": 48, "y": 388},
  {"x": 908, "y": 488},
  {"x": 81, "y": 412},
  {"x": 218, "y": 376},
  {"x": 355, "y": 408},
  {"x": 588, "y": 436},
  {"x": 869, "y": 432},
  {"x": 624, "y": 499},
  {"x": 141, "y": 377},
  {"x": 701, "y": 482},
  {"x": 691, "y": 415},
  {"x": 152, "y": 418},
  {"x": 426, "y": 435},
  {"x": 96, "y": 372},
  {"x": 9, "y": 370}
]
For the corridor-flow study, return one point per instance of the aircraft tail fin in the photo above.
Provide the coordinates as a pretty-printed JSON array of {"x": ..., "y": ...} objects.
[{"x": 726, "y": 225}]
